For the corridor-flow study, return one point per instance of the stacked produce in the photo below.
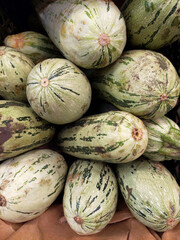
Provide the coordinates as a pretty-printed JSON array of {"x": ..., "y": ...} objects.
[{"x": 49, "y": 98}]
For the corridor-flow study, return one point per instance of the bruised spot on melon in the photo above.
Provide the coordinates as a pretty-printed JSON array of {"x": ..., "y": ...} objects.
[
  {"x": 78, "y": 220},
  {"x": 16, "y": 41},
  {"x": 2, "y": 52},
  {"x": 2, "y": 201},
  {"x": 137, "y": 134},
  {"x": 4, "y": 184},
  {"x": 63, "y": 30}
]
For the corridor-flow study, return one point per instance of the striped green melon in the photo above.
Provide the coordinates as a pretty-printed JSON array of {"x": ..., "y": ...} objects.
[
  {"x": 152, "y": 24},
  {"x": 142, "y": 82},
  {"x": 30, "y": 183},
  {"x": 151, "y": 193},
  {"x": 90, "y": 33},
  {"x": 113, "y": 137},
  {"x": 21, "y": 129},
  {"x": 163, "y": 139},
  {"x": 58, "y": 91},
  {"x": 90, "y": 196},
  {"x": 36, "y": 46},
  {"x": 14, "y": 69}
]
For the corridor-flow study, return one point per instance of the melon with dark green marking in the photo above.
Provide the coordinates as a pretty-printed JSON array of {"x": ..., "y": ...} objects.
[
  {"x": 21, "y": 129},
  {"x": 90, "y": 33},
  {"x": 163, "y": 139},
  {"x": 90, "y": 196},
  {"x": 151, "y": 193},
  {"x": 14, "y": 69},
  {"x": 142, "y": 82},
  {"x": 36, "y": 46},
  {"x": 30, "y": 183},
  {"x": 58, "y": 91},
  {"x": 152, "y": 24},
  {"x": 113, "y": 137}
]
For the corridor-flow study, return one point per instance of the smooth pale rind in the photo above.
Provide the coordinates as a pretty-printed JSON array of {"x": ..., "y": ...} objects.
[
  {"x": 77, "y": 27},
  {"x": 36, "y": 46},
  {"x": 21, "y": 129},
  {"x": 14, "y": 69},
  {"x": 114, "y": 137},
  {"x": 152, "y": 24},
  {"x": 58, "y": 91},
  {"x": 30, "y": 183},
  {"x": 142, "y": 82},
  {"x": 151, "y": 193},
  {"x": 90, "y": 196},
  {"x": 161, "y": 138}
]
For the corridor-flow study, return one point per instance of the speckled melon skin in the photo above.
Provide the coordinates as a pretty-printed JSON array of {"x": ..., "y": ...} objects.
[
  {"x": 29, "y": 184},
  {"x": 163, "y": 139},
  {"x": 113, "y": 137},
  {"x": 36, "y": 46},
  {"x": 58, "y": 91},
  {"x": 142, "y": 82},
  {"x": 151, "y": 193},
  {"x": 14, "y": 69},
  {"x": 90, "y": 196},
  {"x": 90, "y": 33},
  {"x": 21, "y": 129},
  {"x": 152, "y": 24}
]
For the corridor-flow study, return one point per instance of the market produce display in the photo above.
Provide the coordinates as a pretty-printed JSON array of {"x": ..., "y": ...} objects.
[
  {"x": 89, "y": 116},
  {"x": 113, "y": 137},
  {"x": 36, "y": 46}
]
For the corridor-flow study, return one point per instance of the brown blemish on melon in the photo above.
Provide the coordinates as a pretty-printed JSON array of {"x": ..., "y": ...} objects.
[
  {"x": 2, "y": 201},
  {"x": 4, "y": 184},
  {"x": 2, "y": 52},
  {"x": 137, "y": 134},
  {"x": 78, "y": 220},
  {"x": 16, "y": 41},
  {"x": 44, "y": 182}
]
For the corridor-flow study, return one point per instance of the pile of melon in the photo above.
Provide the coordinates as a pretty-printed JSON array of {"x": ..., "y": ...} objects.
[{"x": 84, "y": 112}]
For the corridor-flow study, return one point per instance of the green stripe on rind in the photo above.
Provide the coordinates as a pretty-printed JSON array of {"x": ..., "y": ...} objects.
[{"x": 156, "y": 18}]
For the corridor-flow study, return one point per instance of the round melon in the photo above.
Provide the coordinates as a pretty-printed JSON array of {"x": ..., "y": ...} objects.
[
  {"x": 152, "y": 24},
  {"x": 30, "y": 183},
  {"x": 36, "y": 46},
  {"x": 163, "y": 139},
  {"x": 90, "y": 196},
  {"x": 90, "y": 33},
  {"x": 14, "y": 69},
  {"x": 58, "y": 91},
  {"x": 142, "y": 82},
  {"x": 151, "y": 193}
]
